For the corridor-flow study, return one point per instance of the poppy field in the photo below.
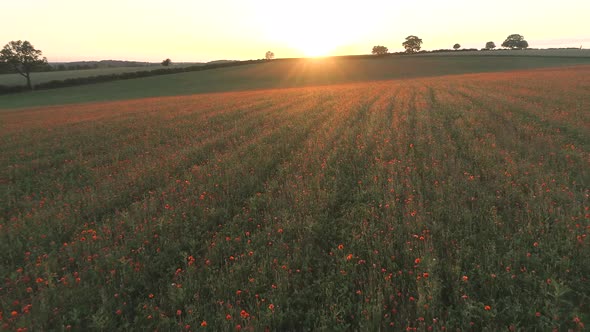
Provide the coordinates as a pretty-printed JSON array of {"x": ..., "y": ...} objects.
[{"x": 425, "y": 204}]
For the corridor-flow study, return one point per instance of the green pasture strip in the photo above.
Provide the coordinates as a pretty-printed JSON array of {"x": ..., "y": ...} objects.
[{"x": 44, "y": 77}]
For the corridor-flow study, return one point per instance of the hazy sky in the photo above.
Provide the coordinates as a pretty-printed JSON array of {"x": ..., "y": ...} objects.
[{"x": 204, "y": 30}]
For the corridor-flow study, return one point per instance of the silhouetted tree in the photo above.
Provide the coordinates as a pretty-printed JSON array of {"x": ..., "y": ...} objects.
[
  {"x": 515, "y": 41},
  {"x": 456, "y": 46},
  {"x": 4, "y": 68},
  {"x": 379, "y": 50},
  {"x": 23, "y": 58},
  {"x": 269, "y": 55},
  {"x": 490, "y": 45},
  {"x": 523, "y": 44},
  {"x": 412, "y": 44},
  {"x": 166, "y": 62}
]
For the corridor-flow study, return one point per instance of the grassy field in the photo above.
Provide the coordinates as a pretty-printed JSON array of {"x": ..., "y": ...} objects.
[
  {"x": 423, "y": 204},
  {"x": 16, "y": 79},
  {"x": 280, "y": 74},
  {"x": 43, "y": 77}
]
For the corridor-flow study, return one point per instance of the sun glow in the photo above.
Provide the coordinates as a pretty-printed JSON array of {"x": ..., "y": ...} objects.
[
  {"x": 314, "y": 28},
  {"x": 310, "y": 44},
  {"x": 315, "y": 49}
]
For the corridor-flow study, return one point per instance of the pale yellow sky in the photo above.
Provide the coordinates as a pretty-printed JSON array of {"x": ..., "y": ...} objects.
[{"x": 184, "y": 30}]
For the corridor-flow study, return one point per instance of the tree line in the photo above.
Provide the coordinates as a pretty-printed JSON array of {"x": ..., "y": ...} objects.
[{"x": 413, "y": 44}]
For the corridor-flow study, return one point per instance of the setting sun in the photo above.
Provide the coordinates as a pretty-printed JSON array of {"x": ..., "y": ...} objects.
[
  {"x": 311, "y": 46},
  {"x": 314, "y": 29},
  {"x": 314, "y": 48}
]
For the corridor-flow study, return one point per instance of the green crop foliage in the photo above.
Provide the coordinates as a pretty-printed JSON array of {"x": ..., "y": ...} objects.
[{"x": 455, "y": 202}]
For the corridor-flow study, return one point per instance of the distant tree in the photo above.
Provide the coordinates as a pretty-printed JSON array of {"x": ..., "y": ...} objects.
[
  {"x": 4, "y": 68},
  {"x": 269, "y": 55},
  {"x": 456, "y": 46},
  {"x": 379, "y": 50},
  {"x": 523, "y": 44},
  {"x": 490, "y": 45},
  {"x": 412, "y": 44},
  {"x": 515, "y": 41},
  {"x": 166, "y": 62},
  {"x": 23, "y": 58}
]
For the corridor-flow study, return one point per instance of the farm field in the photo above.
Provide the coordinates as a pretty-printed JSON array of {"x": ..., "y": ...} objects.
[
  {"x": 44, "y": 77},
  {"x": 428, "y": 203},
  {"x": 284, "y": 74}
]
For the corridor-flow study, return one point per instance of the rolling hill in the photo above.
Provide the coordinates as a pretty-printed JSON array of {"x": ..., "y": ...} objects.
[{"x": 284, "y": 74}]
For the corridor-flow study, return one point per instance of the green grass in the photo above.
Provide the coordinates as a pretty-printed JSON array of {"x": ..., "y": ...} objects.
[
  {"x": 447, "y": 203},
  {"x": 43, "y": 77},
  {"x": 280, "y": 74}
]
